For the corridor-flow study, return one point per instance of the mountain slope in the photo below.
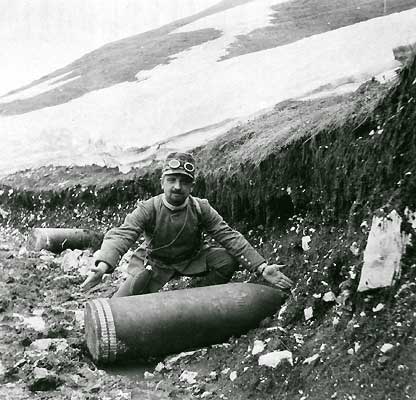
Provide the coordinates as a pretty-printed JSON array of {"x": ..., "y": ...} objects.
[{"x": 188, "y": 77}]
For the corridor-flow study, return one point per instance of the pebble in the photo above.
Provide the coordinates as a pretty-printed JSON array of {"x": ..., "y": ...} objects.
[
  {"x": 188, "y": 377},
  {"x": 386, "y": 347},
  {"x": 308, "y": 312},
  {"x": 233, "y": 376},
  {"x": 274, "y": 358},
  {"x": 258, "y": 347}
]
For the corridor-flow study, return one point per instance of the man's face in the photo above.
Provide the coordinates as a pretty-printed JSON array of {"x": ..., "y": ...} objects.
[{"x": 177, "y": 188}]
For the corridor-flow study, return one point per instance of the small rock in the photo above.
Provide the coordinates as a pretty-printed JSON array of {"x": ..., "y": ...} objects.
[
  {"x": 274, "y": 358},
  {"x": 188, "y": 377},
  {"x": 22, "y": 252},
  {"x": 308, "y": 312},
  {"x": 305, "y": 242},
  {"x": 148, "y": 375},
  {"x": 258, "y": 347},
  {"x": 378, "y": 307},
  {"x": 386, "y": 347},
  {"x": 225, "y": 371},
  {"x": 355, "y": 250},
  {"x": 213, "y": 375},
  {"x": 311, "y": 359},
  {"x": 2, "y": 370},
  {"x": 233, "y": 376},
  {"x": 329, "y": 297},
  {"x": 160, "y": 367},
  {"x": 299, "y": 338},
  {"x": 172, "y": 360},
  {"x": 206, "y": 395}
]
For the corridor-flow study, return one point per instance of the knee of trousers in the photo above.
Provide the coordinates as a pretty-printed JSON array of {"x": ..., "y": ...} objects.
[{"x": 221, "y": 259}]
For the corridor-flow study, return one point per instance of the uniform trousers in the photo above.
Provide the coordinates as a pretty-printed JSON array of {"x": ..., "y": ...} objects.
[{"x": 211, "y": 266}]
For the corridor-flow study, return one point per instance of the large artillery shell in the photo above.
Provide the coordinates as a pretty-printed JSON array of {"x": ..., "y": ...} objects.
[
  {"x": 59, "y": 239},
  {"x": 170, "y": 322}
]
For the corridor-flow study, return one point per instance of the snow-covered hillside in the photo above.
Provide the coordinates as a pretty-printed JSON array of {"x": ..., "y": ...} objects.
[
  {"x": 36, "y": 37},
  {"x": 181, "y": 90}
]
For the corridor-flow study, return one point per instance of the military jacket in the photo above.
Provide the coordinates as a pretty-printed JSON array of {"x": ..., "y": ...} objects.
[{"x": 173, "y": 236}]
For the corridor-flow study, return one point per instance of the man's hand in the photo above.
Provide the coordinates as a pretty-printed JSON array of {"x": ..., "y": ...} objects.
[
  {"x": 272, "y": 274},
  {"x": 95, "y": 276}
]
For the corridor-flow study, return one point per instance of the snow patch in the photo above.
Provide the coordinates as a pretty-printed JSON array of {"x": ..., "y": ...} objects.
[
  {"x": 195, "y": 90},
  {"x": 38, "y": 89}
]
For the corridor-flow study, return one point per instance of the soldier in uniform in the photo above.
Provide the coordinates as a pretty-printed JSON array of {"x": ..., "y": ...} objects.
[{"x": 173, "y": 224}]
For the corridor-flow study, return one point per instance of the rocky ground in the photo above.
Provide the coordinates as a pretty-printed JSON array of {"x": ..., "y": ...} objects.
[{"x": 326, "y": 342}]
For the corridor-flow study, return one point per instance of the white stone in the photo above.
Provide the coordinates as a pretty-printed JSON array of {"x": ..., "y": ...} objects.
[
  {"x": 159, "y": 367},
  {"x": 378, "y": 307},
  {"x": 385, "y": 247},
  {"x": 2, "y": 369},
  {"x": 311, "y": 359},
  {"x": 282, "y": 311},
  {"x": 386, "y": 347},
  {"x": 40, "y": 373},
  {"x": 329, "y": 296},
  {"x": 299, "y": 338},
  {"x": 258, "y": 347},
  {"x": 274, "y": 358},
  {"x": 305, "y": 242},
  {"x": 148, "y": 375},
  {"x": 174, "y": 359},
  {"x": 233, "y": 376},
  {"x": 36, "y": 323},
  {"x": 188, "y": 377},
  {"x": 213, "y": 375},
  {"x": 411, "y": 217},
  {"x": 355, "y": 250},
  {"x": 308, "y": 312}
]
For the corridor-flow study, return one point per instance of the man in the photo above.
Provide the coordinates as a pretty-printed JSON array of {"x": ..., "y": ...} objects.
[{"x": 172, "y": 224}]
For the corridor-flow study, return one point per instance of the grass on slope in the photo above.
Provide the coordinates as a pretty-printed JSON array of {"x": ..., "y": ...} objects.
[
  {"x": 297, "y": 19},
  {"x": 118, "y": 62},
  {"x": 287, "y": 122}
]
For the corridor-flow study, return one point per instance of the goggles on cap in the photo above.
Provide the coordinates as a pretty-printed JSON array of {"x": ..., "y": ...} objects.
[{"x": 187, "y": 166}]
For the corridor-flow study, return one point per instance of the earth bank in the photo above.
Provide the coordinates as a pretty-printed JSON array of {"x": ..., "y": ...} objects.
[{"x": 326, "y": 184}]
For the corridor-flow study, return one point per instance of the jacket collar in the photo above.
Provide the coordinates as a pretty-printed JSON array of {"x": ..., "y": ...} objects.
[{"x": 172, "y": 207}]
